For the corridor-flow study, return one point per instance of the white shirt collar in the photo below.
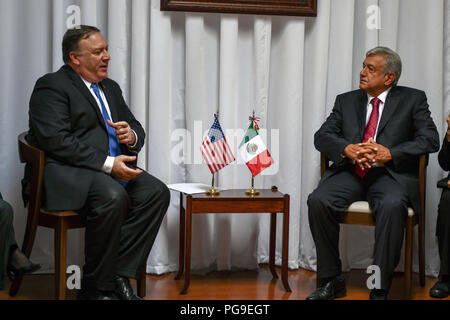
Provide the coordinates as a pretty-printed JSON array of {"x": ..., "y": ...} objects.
[
  {"x": 382, "y": 96},
  {"x": 87, "y": 83}
]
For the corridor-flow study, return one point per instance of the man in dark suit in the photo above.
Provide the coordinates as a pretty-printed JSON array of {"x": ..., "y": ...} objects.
[
  {"x": 79, "y": 118},
  {"x": 374, "y": 136},
  {"x": 441, "y": 288},
  {"x": 13, "y": 262}
]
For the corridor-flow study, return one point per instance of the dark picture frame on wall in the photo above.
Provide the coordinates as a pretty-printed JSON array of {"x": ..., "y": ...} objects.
[{"x": 267, "y": 7}]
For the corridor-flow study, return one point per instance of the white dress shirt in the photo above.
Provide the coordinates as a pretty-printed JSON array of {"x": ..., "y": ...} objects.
[{"x": 382, "y": 98}]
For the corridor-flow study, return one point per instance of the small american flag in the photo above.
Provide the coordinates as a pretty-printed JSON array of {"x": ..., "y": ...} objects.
[{"x": 215, "y": 149}]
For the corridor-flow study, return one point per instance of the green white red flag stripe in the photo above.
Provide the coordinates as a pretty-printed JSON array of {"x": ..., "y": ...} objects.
[{"x": 254, "y": 152}]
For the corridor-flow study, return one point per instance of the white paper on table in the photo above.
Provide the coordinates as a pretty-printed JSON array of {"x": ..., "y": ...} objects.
[{"x": 189, "y": 188}]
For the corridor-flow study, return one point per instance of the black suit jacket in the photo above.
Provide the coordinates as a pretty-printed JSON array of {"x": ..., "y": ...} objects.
[
  {"x": 65, "y": 121},
  {"x": 405, "y": 127},
  {"x": 444, "y": 156}
]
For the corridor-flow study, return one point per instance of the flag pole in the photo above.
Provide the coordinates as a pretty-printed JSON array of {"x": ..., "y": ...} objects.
[
  {"x": 213, "y": 191},
  {"x": 252, "y": 191}
]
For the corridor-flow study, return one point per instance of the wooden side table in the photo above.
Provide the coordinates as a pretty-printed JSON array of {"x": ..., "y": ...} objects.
[{"x": 234, "y": 201}]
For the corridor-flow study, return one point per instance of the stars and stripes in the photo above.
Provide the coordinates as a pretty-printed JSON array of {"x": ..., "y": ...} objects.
[{"x": 215, "y": 149}]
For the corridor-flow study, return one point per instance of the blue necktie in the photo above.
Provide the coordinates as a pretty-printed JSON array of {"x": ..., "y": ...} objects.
[{"x": 114, "y": 148}]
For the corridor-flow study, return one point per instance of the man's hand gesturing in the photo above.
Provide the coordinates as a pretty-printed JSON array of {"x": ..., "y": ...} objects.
[
  {"x": 123, "y": 132},
  {"x": 121, "y": 171},
  {"x": 448, "y": 128}
]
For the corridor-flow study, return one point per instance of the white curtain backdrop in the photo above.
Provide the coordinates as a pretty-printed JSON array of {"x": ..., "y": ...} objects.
[{"x": 177, "y": 69}]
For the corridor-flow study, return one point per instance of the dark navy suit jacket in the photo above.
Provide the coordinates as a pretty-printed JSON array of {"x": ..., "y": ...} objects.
[
  {"x": 65, "y": 121},
  {"x": 406, "y": 128}
]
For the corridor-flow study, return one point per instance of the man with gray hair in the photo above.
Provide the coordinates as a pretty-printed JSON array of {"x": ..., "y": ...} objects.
[{"x": 374, "y": 137}]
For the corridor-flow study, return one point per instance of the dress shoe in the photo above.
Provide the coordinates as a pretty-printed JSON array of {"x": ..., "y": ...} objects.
[
  {"x": 94, "y": 294},
  {"x": 441, "y": 289},
  {"x": 123, "y": 289},
  {"x": 378, "y": 294},
  {"x": 334, "y": 288},
  {"x": 19, "y": 265}
]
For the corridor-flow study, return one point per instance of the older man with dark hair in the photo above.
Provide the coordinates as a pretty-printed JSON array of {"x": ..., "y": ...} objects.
[
  {"x": 374, "y": 136},
  {"x": 79, "y": 118}
]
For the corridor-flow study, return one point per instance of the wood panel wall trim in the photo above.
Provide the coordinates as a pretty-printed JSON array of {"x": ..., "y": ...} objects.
[{"x": 265, "y": 7}]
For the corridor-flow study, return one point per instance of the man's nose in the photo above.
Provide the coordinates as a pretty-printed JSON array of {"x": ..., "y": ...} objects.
[
  {"x": 363, "y": 71},
  {"x": 106, "y": 56}
]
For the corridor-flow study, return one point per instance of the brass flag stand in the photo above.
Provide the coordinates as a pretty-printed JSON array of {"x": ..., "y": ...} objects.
[
  {"x": 212, "y": 191},
  {"x": 252, "y": 191}
]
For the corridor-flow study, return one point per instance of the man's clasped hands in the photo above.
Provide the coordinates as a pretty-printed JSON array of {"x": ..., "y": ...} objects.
[{"x": 366, "y": 154}]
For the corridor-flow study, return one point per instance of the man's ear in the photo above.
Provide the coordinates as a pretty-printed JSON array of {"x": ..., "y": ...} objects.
[
  {"x": 74, "y": 58},
  {"x": 390, "y": 79}
]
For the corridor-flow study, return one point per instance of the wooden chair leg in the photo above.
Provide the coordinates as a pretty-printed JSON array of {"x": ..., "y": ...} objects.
[
  {"x": 181, "y": 246},
  {"x": 27, "y": 246},
  {"x": 422, "y": 250},
  {"x": 141, "y": 284},
  {"x": 272, "y": 244},
  {"x": 408, "y": 256},
  {"x": 285, "y": 249},
  {"x": 15, "y": 286},
  {"x": 188, "y": 244},
  {"x": 60, "y": 260}
]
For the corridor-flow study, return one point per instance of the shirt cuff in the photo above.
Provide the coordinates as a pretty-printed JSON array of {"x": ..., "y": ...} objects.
[
  {"x": 108, "y": 165},
  {"x": 131, "y": 147}
]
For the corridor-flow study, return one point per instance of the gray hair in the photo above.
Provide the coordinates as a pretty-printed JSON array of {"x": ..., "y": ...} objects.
[{"x": 393, "y": 61}]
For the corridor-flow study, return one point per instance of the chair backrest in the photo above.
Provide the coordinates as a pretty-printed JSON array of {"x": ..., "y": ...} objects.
[
  {"x": 423, "y": 162},
  {"x": 36, "y": 159}
]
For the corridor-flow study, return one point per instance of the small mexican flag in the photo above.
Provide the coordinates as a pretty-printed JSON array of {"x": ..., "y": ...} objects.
[{"x": 253, "y": 150}]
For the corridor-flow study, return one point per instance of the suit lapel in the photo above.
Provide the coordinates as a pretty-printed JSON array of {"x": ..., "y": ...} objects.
[
  {"x": 361, "y": 112},
  {"x": 391, "y": 104},
  {"x": 81, "y": 87},
  {"x": 111, "y": 102}
]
